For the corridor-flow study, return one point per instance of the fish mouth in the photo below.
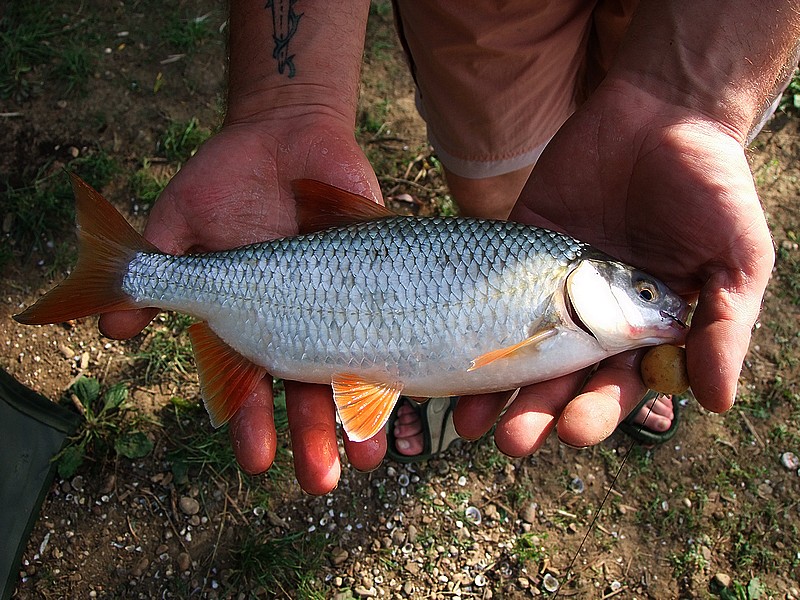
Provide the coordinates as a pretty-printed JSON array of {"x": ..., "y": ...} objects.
[{"x": 675, "y": 319}]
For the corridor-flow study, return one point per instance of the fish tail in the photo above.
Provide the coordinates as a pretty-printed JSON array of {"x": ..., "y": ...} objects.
[{"x": 106, "y": 246}]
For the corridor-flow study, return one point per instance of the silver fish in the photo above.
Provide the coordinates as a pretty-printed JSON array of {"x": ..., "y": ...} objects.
[{"x": 376, "y": 306}]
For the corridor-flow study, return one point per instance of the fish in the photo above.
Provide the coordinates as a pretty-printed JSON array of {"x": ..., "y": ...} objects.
[{"x": 372, "y": 303}]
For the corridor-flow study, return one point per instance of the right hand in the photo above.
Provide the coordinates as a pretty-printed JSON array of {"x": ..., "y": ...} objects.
[{"x": 237, "y": 190}]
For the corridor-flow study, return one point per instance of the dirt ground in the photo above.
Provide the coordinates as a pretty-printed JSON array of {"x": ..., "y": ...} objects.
[{"x": 714, "y": 507}]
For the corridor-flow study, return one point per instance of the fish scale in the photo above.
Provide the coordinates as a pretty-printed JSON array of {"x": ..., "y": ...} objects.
[{"x": 396, "y": 289}]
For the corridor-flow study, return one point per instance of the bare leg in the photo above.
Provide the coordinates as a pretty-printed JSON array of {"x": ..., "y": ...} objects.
[{"x": 489, "y": 198}]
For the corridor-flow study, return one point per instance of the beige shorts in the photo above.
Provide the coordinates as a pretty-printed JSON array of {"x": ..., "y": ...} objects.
[{"x": 495, "y": 80}]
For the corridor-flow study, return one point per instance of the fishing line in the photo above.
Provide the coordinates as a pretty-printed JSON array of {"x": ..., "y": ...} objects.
[{"x": 605, "y": 497}]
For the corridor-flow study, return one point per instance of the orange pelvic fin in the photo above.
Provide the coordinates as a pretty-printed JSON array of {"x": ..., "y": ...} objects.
[
  {"x": 322, "y": 206},
  {"x": 364, "y": 406},
  {"x": 106, "y": 245},
  {"x": 226, "y": 377},
  {"x": 490, "y": 357}
]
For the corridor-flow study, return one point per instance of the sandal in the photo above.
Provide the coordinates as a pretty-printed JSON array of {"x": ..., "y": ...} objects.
[
  {"x": 639, "y": 432},
  {"x": 438, "y": 430}
]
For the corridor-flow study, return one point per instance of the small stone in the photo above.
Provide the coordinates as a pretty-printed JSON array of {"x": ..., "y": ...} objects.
[
  {"x": 687, "y": 503},
  {"x": 790, "y": 460},
  {"x": 68, "y": 352},
  {"x": 84, "y": 361},
  {"x": 184, "y": 562},
  {"x": 73, "y": 151},
  {"x": 77, "y": 483},
  {"x": 61, "y": 104},
  {"x": 140, "y": 567},
  {"x": 722, "y": 580},
  {"x": 363, "y": 592},
  {"x": 189, "y": 506},
  {"x": 338, "y": 556},
  {"x": 523, "y": 583},
  {"x": 408, "y": 588},
  {"x": 412, "y": 534},
  {"x": 529, "y": 514},
  {"x": 550, "y": 583}
]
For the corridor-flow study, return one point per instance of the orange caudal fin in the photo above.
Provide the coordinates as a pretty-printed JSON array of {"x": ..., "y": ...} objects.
[
  {"x": 106, "y": 245},
  {"x": 322, "y": 206},
  {"x": 226, "y": 377}
]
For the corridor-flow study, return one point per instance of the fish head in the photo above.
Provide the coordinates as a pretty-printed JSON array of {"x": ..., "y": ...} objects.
[{"x": 623, "y": 307}]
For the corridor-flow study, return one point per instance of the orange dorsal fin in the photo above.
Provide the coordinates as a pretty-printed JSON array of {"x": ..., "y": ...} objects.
[
  {"x": 490, "y": 357},
  {"x": 106, "y": 245},
  {"x": 322, "y": 206},
  {"x": 363, "y": 406},
  {"x": 226, "y": 377}
]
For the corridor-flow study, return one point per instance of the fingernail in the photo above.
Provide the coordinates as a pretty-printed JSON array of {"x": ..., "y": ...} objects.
[{"x": 403, "y": 445}]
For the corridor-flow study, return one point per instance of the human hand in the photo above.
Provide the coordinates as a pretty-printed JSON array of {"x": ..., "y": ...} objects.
[
  {"x": 236, "y": 190},
  {"x": 666, "y": 190}
]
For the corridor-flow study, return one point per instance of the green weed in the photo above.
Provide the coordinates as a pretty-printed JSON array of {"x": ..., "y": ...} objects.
[
  {"x": 105, "y": 426},
  {"x": 146, "y": 184},
  {"x": 168, "y": 351},
  {"x": 284, "y": 567},
  {"x": 185, "y": 35},
  {"x": 74, "y": 68},
  {"x": 182, "y": 139},
  {"x": 529, "y": 547},
  {"x": 27, "y": 30},
  {"x": 790, "y": 102}
]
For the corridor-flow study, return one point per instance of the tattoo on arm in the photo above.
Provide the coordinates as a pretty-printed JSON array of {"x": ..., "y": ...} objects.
[{"x": 284, "y": 26}]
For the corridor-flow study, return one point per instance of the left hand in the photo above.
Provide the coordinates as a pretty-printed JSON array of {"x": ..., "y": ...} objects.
[{"x": 667, "y": 190}]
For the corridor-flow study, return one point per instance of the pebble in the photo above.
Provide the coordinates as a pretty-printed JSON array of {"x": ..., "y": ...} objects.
[
  {"x": 790, "y": 461},
  {"x": 184, "y": 561},
  {"x": 408, "y": 588},
  {"x": 363, "y": 592},
  {"x": 68, "y": 352},
  {"x": 189, "y": 506},
  {"x": 722, "y": 580},
  {"x": 140, "y": 567},
  {"x": 338, "y": 556},
  {"x": 529, "y": 514}
]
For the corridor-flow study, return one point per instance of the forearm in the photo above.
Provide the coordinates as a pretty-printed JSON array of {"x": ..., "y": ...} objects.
[
  {"x": 292, "y": 58},
  {"x": 721, "y": 59}
]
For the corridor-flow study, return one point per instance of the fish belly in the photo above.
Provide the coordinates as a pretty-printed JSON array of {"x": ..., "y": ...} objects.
[{"x": 413, "y": 301}]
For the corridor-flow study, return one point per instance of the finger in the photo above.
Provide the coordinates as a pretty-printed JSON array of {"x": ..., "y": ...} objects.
[
  {"x": 312, "y": 424},
  {"x": 528, "y": 421},
  {"x": 366, "y": 456},
  {"x": 718, "y": 340},
  {"x": 124, "y": 324},
  {"x": 475, "y": 415},
  {"x": 608, "y": 396},
  {"x": 252, "y": 430}
]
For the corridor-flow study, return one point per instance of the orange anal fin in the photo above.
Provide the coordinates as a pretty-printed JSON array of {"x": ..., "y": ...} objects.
[
  {"x": 490, "y": 357},
  {"x": 322, "y": 206},
  {"x": 226, "y": 377},
  {"x": 363, "y": 406}
]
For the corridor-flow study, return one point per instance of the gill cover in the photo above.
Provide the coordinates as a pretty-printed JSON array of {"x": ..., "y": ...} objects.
[{"x": 624, "y": 307}]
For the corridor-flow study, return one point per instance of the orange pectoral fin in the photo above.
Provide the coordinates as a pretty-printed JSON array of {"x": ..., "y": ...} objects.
[
  {"x": 226, "y": 377},
  {"x": 363, "y": 406},
  {"x": 490, "y": 357}
]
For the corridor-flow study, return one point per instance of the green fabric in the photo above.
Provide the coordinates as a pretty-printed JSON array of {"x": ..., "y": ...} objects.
[{"x": 32, "y": 431}]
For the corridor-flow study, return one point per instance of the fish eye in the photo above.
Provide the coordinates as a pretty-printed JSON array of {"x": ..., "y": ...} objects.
[{"x": 647, "y": 291}]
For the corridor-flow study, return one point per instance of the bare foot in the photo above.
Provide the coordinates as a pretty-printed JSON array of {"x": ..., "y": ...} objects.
[
  {"x": 409, "y": 438},
  {"x": 660, "y": 418},
  {"x": 408, "y": 431}
]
